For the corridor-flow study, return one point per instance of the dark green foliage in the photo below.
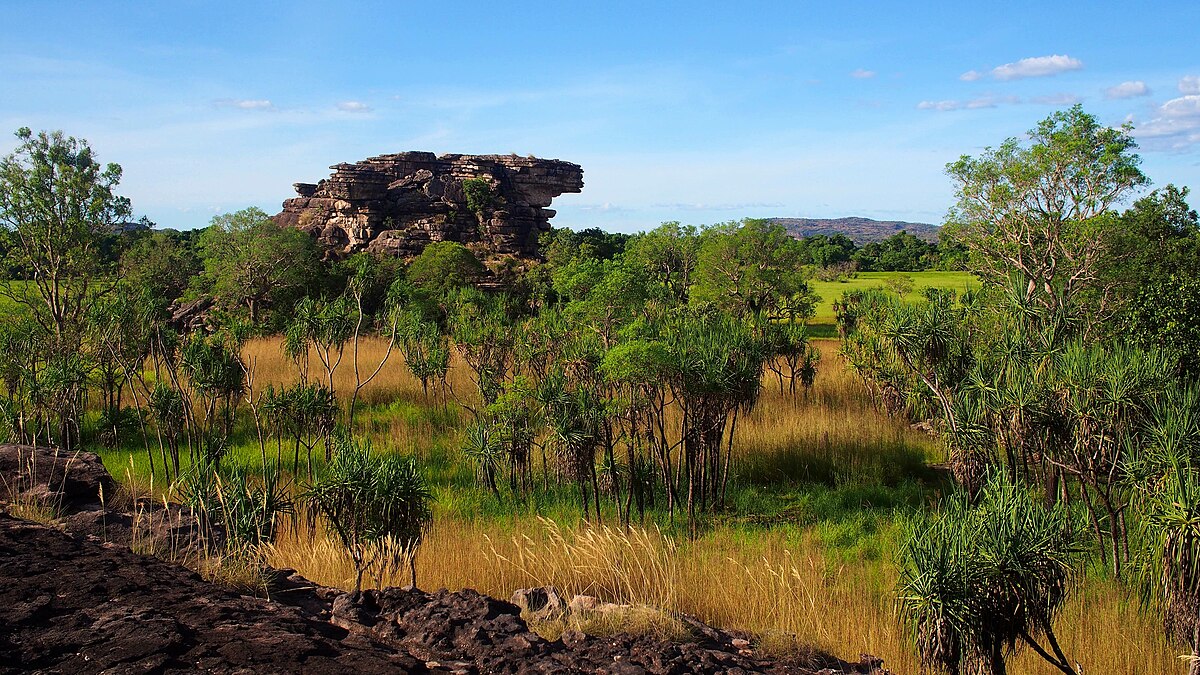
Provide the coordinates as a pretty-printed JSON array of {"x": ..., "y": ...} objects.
[
  {"x": 252, "y": 263},
  {"x": 444, "y": 266},
  {"x": 479, "y": 195}
]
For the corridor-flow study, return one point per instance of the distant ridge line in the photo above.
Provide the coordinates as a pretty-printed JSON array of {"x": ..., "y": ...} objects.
[{"x": 859, "y": 230}]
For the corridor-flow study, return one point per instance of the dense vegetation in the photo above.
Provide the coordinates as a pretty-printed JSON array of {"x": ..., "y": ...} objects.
[{"x": 616, "y": 379}]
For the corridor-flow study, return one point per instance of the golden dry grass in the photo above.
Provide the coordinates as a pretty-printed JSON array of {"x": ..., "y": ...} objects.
[
  {"x": 763, "y": 584},
  {"x": 766, "y": 581}
]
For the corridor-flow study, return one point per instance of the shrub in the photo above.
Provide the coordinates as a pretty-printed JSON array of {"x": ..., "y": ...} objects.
[{"x": 378, "y": 506}]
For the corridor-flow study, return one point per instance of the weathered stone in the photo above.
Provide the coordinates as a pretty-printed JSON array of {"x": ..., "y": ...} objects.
[
  {"x": 397, "y": 204},
  {"x": 540, "y": 604},
  {"x": 53, "y": 477}
]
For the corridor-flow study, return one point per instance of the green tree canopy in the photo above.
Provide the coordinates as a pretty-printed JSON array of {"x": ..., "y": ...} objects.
[
  {"x": 444, "y": 266},
  {"x": 254, "y": 263},
  {"x": 1041, "y": 211},
  {"x": 56, "y": 204}
]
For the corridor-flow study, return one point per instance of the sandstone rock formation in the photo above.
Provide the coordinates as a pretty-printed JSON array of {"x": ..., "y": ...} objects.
[{"x": 399, "y": 203}]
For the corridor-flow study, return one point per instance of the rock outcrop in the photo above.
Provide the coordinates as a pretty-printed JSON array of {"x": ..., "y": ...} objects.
[{"x": 399, "y": 203}]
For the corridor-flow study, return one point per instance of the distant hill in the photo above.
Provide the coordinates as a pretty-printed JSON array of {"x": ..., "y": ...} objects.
[{"x": 860, "y": 230}]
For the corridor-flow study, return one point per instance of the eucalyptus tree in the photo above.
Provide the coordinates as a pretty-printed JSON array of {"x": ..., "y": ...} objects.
[
  {"x": 378, "y": 505},
  {"x": 1044, "y": 209},
  {"x": 253, "y": 263},
  {"x": 56, "y": 203},
  {"x": 669, "y": 255},
  {"x": 748, "y": 268}
]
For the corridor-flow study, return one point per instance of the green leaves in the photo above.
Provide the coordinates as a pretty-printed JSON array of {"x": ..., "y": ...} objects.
[
  {"x": 977, "y": 579},
  {"x": 370, "y": 500}
]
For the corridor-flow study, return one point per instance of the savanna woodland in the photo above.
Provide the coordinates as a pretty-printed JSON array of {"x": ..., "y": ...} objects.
[{"x": 980, "y": 455}]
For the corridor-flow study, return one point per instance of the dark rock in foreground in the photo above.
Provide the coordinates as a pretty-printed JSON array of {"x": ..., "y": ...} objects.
[
  {"x": 399, "y": 203},
  {"x": 53, "y": 477},
  {"x": 76, "y": 603}
]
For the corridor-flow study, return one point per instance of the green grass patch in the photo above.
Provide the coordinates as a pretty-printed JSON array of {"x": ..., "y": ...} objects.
[{"x": 830, "y": 291}]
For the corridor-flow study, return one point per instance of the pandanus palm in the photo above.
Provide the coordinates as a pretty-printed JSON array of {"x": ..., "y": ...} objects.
[
  {"x": 979, "y": 581},
  {"x": 378, "y": 505},
  {"x": 1168, "y": 478}
]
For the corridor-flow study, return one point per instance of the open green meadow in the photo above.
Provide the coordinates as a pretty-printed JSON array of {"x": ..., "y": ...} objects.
[{"x": 830, "y": 291}]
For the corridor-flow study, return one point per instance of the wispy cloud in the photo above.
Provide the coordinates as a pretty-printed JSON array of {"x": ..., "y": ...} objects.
[
  {"x": 727, "y": 206},
  {"x": 862, "y": 74},
  {"x": 354, "y": 107},
  {"x": 1131, "y": 89},
  {"x": 1175, "y": 126},
  {"x": 969, "y": 104},
  {"x": 1189, "y": 84},
  {"x": 1054, "y": 99},
  {"x": 245, "y": 103},
  {"x": 1036, "y": 66},
  {"x": 971, "y": 76}
]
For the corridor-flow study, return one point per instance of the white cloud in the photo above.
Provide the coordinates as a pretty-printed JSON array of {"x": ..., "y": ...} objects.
[
  {"x": 1037, "y": 66},
  {"x": 1189, "y": 84},
  {"x": 939, "y": 105},
  {"x": 246, "y": 103},
  {"x": 721, "y": 206},
  {"x": 1176, "y": 125},
  {"x": 1055, "y": 99},
  {"x": 969, "y": 104},
  {"x": 970, "y": 76},
  {"x": 862, "y": 74},
  {"x": 1127, "y": 90},
  {"x": 354, "y": 107}
]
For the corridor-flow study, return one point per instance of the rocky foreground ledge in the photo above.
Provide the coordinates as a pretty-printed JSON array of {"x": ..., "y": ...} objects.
[{"x": 78, "y": 604}]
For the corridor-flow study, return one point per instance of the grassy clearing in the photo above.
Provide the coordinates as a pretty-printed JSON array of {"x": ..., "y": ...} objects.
[
  {"x": 832, "y": 290},
  {"x": 805, "y": 549}
]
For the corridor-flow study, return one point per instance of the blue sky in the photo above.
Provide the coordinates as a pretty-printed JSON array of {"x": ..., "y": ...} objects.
[{"x": 700, "y": 112}]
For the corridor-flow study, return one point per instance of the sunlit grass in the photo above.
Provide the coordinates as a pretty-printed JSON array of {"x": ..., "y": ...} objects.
[{"x": 804, "y": 550}]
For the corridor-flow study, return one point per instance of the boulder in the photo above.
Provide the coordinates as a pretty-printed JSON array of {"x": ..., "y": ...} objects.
[
  {"x": 59, "y": 478},
  {"x": 540, "y": 604}
]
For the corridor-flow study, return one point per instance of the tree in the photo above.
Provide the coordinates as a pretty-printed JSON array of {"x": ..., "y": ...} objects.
[
  {"x": 748, "y": 267},
  {"x": 668, "y": 254},
  {"x": 379, "y": 506},
  {"x": 252, "y": 262},
  {"x": 1155, "y": 267},
  {"x": 444, "y": 266},
  {"x": 161, "y": 264},
  {"x": 56, "y": 203},
  {"x": 1042, "y": 211}
]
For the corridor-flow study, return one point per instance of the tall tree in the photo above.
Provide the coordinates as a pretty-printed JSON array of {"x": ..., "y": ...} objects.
[
  {"x": 1041, "y": 211},
  {"x": 252, "y": 262},
  {"x": 56, "y": 204}
]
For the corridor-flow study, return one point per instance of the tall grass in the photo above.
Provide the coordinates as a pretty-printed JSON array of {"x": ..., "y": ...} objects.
[{"x": 806, "y": 550}]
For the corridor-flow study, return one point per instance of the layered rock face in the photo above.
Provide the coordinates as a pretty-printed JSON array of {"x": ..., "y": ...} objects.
[{"x": 397, "y": 204}]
